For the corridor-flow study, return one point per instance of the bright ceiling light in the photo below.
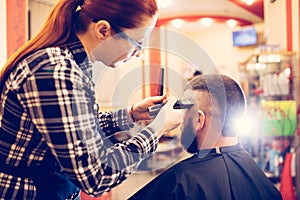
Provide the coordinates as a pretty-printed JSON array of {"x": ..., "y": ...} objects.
[
  {"x": 249, "y": 2},
  {"x": 287, "y": 72},
  {"x": 206, "y": 21},
  {"x": 231, "y": 23},
  {"x": 177, "y": 23}
]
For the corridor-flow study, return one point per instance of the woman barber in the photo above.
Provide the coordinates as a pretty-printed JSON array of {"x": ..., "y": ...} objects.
[{"x": 51, "y": 133}]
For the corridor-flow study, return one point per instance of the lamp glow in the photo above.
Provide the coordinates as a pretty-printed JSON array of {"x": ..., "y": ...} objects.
[
  {"x": 249, "y": 2},
  {"x": 206, "y": 21},
  {"x": 244, "y": 125},
  {"x": 231, "y": 23},
  {"x": 177, "y": 23}
]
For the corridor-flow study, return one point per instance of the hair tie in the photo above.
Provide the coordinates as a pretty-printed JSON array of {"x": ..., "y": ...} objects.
[{"x": 78, "y": 4}]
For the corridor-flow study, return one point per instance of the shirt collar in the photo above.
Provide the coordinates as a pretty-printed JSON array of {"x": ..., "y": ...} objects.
[
  {"x": 78, "y": 51},
  {"x": 80, "y": 56},
  {"x": 205, "y": 152}
]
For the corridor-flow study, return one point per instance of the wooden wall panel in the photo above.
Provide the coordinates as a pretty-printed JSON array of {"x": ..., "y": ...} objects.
[{"x": 16, "y": 11}]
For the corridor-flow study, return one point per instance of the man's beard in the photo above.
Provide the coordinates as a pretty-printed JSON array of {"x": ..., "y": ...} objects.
[{"x": 188, "y": 138}]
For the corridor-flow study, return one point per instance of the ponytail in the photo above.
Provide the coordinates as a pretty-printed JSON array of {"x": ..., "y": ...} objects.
[{"x": 57, "y": 30}]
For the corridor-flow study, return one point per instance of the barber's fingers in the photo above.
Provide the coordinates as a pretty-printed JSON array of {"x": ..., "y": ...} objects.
[
  {"x": 144, "y": 104},
  {"x": 158, "y": 99},
  {"x": 168, "y": 118}
]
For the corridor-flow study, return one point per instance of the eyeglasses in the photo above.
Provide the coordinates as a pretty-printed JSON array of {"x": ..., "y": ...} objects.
[{"x": 132, "y": 41}]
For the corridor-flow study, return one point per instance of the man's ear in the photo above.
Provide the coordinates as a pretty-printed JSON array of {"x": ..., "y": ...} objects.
[
  {"x": 201, "y": 120},
  {"x": 102, "y": 29}
]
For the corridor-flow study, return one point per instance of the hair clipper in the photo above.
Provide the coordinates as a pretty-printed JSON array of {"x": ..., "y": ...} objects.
[{"x": 180, "y": 104}]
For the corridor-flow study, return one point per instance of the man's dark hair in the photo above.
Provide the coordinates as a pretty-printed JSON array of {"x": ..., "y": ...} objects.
[
  {"x": 227, "y": 94},
  {"x": 197, "y": 73}
]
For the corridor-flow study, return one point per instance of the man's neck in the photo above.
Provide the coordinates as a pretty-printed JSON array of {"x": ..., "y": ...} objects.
[
  {"x": 226, "y": 141},
  {"x": 221, "y": 142}
]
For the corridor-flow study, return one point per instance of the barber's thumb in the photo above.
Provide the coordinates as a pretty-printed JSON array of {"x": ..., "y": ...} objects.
[{"x": 159, "y": 99}]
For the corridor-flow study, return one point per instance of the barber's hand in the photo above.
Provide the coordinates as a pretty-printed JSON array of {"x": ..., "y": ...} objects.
[
  {"x": 168, "y": 118},
  {"x": 140, "y": 110}
]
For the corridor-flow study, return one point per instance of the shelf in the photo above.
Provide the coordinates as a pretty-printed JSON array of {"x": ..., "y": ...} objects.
[
  {"x": 269, "y": 81},
  {"x": 281, "y": 53}
]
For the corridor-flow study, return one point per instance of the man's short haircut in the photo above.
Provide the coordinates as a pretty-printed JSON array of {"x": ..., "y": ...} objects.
[{"x": 228, "y": 95}]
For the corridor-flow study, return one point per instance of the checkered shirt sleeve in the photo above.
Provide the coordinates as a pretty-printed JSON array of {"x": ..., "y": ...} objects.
[{"x": 48, "y": 104}]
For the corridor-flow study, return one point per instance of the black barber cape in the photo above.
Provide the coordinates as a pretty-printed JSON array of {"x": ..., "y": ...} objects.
[{"x": 229, "y": 175}]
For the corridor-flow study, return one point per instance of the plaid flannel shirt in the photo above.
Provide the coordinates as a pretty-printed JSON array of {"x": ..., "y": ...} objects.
[{"x": 48, "y": 105}]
